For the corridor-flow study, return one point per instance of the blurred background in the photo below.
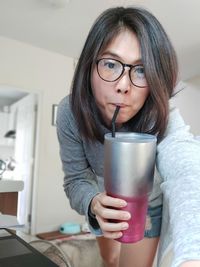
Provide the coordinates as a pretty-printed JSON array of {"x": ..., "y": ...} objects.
[{"x": 40, "y": 42}]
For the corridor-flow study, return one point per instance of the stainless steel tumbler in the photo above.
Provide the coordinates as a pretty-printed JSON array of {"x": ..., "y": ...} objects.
[{"x": 129, "y": 162}]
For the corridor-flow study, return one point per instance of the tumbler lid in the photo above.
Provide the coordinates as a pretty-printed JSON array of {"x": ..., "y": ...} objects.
[{"x": 131, "y": 137}]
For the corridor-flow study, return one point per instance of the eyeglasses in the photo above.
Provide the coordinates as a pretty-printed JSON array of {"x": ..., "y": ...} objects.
[{"x": 111, "y": 70}]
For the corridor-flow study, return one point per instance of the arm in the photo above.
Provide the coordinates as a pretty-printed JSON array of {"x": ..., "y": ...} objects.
[
  {"x": 80, "y": 182},
  {"x": 178, "y": 162}
]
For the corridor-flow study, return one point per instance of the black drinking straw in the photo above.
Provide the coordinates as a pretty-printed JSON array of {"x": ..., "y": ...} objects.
[{"x": 114, "y": 119}]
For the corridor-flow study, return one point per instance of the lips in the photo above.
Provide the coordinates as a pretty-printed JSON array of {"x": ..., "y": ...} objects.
[{"x": 121, "y": 105}]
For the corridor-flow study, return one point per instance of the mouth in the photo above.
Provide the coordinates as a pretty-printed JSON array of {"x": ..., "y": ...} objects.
[{"x": 121, "y": 105}]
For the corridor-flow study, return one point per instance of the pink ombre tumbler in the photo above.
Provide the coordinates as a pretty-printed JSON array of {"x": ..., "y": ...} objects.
[{"x": 129, "y": 162}]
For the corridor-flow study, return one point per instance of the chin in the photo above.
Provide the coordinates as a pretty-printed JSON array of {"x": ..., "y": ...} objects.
[{"x": 124, "y": 119}]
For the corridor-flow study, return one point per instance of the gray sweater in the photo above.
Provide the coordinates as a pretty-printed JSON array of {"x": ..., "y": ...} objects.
[{"x": 178, "y": 163}]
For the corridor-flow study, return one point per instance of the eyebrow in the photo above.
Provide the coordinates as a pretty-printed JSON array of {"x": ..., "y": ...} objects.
[{"x": 116, "y": 56}]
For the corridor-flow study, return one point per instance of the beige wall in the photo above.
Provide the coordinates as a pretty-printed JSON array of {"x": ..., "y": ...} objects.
[{"x": 37, "y": 70}]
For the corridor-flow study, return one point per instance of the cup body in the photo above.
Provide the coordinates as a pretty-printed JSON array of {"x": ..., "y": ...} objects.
[{"x": 129, "y": 162}]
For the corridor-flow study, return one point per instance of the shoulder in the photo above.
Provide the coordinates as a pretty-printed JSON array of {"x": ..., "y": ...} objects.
[
  {"x": 65, "y": 117},
  {"x": 175, "y": 116},
  {"x": 176, "y": 122},
  {"x": 177, "y": 132},
  {"x": 64, "y": 105}
]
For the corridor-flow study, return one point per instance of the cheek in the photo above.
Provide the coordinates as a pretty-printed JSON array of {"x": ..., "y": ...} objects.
[
  {"x": 94, "y": 83},
  {"x": 144, "y": 94},
  {"x": 100, "y": 88},
  {"x": 139, "y": 98}
]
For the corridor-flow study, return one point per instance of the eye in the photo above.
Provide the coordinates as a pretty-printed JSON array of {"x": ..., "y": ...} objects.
[
  {"x": 110, "y": 64},
  {"x": 139, "y": 71}
]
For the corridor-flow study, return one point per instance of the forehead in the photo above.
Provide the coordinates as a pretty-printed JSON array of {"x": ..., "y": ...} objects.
[{"x": 124, "y": 45}]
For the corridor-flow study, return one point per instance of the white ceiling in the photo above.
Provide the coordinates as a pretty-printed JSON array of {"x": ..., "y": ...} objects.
[{"x": 62, "y": 25}]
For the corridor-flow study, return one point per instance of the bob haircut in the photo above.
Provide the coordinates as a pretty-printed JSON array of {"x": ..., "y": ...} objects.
[{"x": 160, "y": 64}]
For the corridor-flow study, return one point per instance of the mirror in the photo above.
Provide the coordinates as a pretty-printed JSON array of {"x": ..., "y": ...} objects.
[{"x": 18, "y": 116}]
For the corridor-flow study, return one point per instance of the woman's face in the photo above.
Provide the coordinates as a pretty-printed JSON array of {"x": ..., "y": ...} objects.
[{"x": 125, "y": 48}]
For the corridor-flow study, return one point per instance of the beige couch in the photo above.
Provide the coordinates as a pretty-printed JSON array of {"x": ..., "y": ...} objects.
[{"x": 79, "y": 252}]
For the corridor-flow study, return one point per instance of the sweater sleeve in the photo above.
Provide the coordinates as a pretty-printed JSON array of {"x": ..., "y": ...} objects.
[
  {"x": 80, "y": 182},
  {"x": 178, "y": 161}
]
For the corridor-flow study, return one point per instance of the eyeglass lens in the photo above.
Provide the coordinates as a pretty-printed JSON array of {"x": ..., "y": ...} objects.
[{"x": 110, "y": 70}]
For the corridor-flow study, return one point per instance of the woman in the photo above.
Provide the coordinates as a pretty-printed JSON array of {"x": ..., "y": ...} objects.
[{"x": 128, "y": 61}]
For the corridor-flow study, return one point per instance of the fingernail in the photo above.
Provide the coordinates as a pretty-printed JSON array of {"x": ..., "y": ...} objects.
[
  {"x": 123, "y": 203},
  {"x": 127, "y": 216},
  {"x": 125, "y": 226}
]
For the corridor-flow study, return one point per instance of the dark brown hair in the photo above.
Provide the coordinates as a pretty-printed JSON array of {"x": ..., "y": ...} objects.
[{"x": 159, "y": 60}]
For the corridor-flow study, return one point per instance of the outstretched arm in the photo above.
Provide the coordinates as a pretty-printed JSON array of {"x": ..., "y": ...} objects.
[{"x": 178, "y": 162}]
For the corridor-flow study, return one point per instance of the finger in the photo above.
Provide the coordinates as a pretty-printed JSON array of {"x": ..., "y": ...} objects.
[
  {"x": 112, "y": 235},
  {"x": 107, "y": 213},
  {"x": 112, "y": 201},
  {"x": 109, "y": 226}
]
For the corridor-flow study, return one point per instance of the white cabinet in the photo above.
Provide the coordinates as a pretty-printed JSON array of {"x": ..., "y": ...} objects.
[{"x": 11, "y": 186}]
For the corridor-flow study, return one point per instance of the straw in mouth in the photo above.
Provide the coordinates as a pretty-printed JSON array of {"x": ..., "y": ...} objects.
[{"x": 114, "y": 119}]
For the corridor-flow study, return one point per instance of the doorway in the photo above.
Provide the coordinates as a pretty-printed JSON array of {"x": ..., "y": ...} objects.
[{"x": 22, "y": 114}]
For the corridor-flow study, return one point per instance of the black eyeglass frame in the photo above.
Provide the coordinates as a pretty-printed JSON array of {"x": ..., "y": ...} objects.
[{"x": 123, "y": 65}]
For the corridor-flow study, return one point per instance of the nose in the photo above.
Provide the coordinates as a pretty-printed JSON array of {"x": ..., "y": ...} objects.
[{"x": 124, "y": 83}]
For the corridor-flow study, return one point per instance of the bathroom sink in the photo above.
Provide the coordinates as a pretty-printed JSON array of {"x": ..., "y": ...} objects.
[{"x": 7, "y": 185}]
